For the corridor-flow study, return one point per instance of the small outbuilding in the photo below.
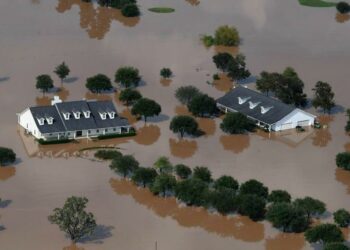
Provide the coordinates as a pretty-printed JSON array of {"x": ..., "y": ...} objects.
[
  {"x": 72, "y": 120},
  {"x": 266, "y": 112}
]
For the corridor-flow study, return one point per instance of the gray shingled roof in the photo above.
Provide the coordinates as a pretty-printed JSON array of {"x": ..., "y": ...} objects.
[
  {"x": 73, "y": 124},
  {"x": 48, "y": 111},
  {"x": 278, "y": 111},
  {"x": 105, "y": 106}
]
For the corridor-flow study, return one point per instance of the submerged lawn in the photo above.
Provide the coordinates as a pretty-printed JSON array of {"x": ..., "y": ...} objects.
[
  {"x": 162, "y": 9},
  {"x": 317, "y": 3}
]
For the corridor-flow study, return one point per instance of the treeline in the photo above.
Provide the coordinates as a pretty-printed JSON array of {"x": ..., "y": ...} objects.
[{"x": 225, "y": 195}]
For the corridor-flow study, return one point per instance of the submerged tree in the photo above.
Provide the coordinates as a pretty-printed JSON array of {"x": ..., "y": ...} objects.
[
  {"x": 237, "y": 68},
  {"x": 202, "y": 105},
  {"x": 62, "y": 71},
  {"x": 44, "y": 83},
  {"x": 192, "y": 192},
  {"x": 163, "y": 165},
  {"x": 226, "y": 36},
  {"x": 184, "y": 124},
  {"x": 252, "y": 206},
  {"x": 222, "y": 61},
  {"x": 166, "y": 73},
  {"x": 127, "y": 77},
  {"x": 311, "y": 206},
  {"x": 202, "y": 173},
  {"x": 183, "y": 171},
  {"x": 342, "y": 217},
  {"x": 98, "y": 83},
  {"x": 6, "y": 156},
  {"x": 185, "y": 94},
  {"x": 124, "y": 165},
  {"x": 324, "y": 233},
  {"x": 73, "y": 219},
  {"x": 131, "y": 10},
  {"x": 223, "y": 200},
  {"x": 129, "y": 96},
  {"x": 254, "y": 187},
  {"x": 236, "y": 123},
  {"x": 267, "y": 82},
  {"x": 343, "y": 7},
  {"x": 146, "y": 107},
  {"x": 226, "y": 182},
  {"x": 163, "y": 183},
  {"x": 343, "y": 160},
  {"x": 279, "y": 196},
  {"x": 145, "y": 176},
  {"x": 324, "y": 97}
]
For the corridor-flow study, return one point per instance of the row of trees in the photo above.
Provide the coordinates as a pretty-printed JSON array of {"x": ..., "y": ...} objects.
[
  {"x": 289, "y": 88},
  {"x": 224, "y": 35}
]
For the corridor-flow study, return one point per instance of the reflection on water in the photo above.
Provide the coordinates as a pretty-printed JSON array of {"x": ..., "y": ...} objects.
[
  {"x": 342, "y": 18},
  {"x": 73, "y": 247},
  {"x": 239, "y": 227},
  {"x": 182, "y": 148},
  {"x": 343, "y": 176},
  {"x": 235, "y": 143},
  {"x": 165, "y": 82},
  {"x": 147, "y": 135},
  {"x": 6, "y": 173},
  {"x": 193, "y": 2},
  {"x": 224, "y": 84},
  {"x": 207, "y": 126},
  {"x": 182, "y": 110},
  {"x": 323, "y": 136},
  {"x": 100, "y": 97},
  {"x": 43, "y": 101},
  {"x": 96, "y": 20},
  {"x": 285, "y": 241}
]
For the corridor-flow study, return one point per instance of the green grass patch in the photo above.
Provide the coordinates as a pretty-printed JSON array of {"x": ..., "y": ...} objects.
[
  {"x": 110, "y": 136},
  {"x": 162, "y": 10},
  {"x": 317, "y": 3},
  {"x": 50, "y": 142}
]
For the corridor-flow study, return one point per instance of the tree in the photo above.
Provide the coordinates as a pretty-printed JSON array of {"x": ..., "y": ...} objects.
[
  {"x": 185, "y": 94},
  {"x": 73, "y": 219},
  {"x": 335, "y": 246},
  {"x": 183, "y": 171},
  {"x": 184, "y": 124},
  {"x": 223, "y": 200},
  {"x": 192, "y": 191},
  {"x": 98, "y": 83},
  {"x": 323, "y": 96},
  {"x": 108, "y": 154},
  {"x": 288, "y": 217},
  {"x": 252, "y": 206},
  {"x": 127, "y": 77},
  {"x": 129, "y": 96},
  {"x": 131, "y": 10},
  {"x": 343, "y": 7},
  {"x": 279, "y": 196},
  {"x": 164, "y": 165},
  {"x": 226, "y": 36},
  {"x": 311, "y": 206},
  {"x": 201, "y": 105},
  {"x": 7, "y": 156},
  {"x": 119, "y": 4},
  {"x": 62, "y": 71},
  {"x": 44, "y": 83},
  {"x": 222, "y": 61},
  {"x": 342, "y": 217},
  {"x": 237, "y": 68},
  {"x": 145, "y": 176},
  {"x": 124, "y": 165},
  {"x": 163, "y": 183},
  {"x": 202, "y": 173},
  {"x": 254, "y": 187},
  {"x": 226, "y": 182},
  {"x": 146, "y": 107},
  {"x": 343, "y": 160},
  {"x": 267, "y": 82},
  {"x": 290, "y": 88},
  {"x": 324, "y": 233},
  {"x": 166, "y": 73},
  {"x": 236, "y": 123}
]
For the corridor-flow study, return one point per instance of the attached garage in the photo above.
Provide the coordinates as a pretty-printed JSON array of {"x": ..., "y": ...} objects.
[
  {"x": 304, "y": 123},
  {"x": 287, "y": 126}
]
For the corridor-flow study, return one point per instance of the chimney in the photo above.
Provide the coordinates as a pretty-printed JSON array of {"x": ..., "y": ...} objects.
[{"x": 56, "y": 99}]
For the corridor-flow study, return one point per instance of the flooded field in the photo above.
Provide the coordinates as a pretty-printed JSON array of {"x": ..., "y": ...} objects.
[{"x": 37, "y": 35}]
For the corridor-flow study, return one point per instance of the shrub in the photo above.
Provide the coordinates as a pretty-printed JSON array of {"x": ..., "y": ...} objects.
[
  {"x": 207, "y": 40},
  {"x": 254, "y": 187},
  {"x": 226, "y": 182},
  {"x": 343, "y": 7},
  {"x": 131, "y": 10},
  {"x": 227, "y": 36},
  {"x": 251, "y": 205},
  {"x": 183, "y": 171},
  {"x": 202, "y": 173},
  {"x": 166, "y": 73},
  {"x": 342, "y": 217},
  {"x": 7, "y": 156},
  {"x": 107, "y": 154}
]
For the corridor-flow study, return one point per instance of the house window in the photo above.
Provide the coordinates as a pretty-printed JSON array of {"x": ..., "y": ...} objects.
[
  {"x": 68, "y": 133},
  {"x": 103, "y": 115},
  {"x": 114, "y": 129},
  {"x": 111, "y": 115},
  {"x": 77, "y": 115},
  {"x": 66, "y": 115},
  {"x": 89, "y": 131},
  {"x": 106, "y": 130},
  {"x": 87, "y": 114},
  {"x": 97, "y": 131}
]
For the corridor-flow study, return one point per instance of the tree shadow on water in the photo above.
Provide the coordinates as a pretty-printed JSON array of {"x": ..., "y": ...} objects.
[
  {"x": 71, "y": 79},
  {"x": 101, "y": 233},
  {"x": 4, "y": 79},
  {"x": 5, "y": 203}
]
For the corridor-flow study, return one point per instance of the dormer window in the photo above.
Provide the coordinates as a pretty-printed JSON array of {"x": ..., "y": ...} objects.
[
  {"x": 242, "y": 100},
  {"x": 66, "y": 115},
  {"x": 111, "y": 115},
  {"x": 76, "y": 114},
  {"x": 252, "y": 105},
  {"x": 103, "y": 115},
  {"x": 87, "y": 114},
  {"x": 41, "y": 121},
  {"x": 264, "y": 110},
  {"x": 49, "y": 120}
]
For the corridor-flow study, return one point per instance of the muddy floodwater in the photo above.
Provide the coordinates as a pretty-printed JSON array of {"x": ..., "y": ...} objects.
[{"x": 37, "y": 35}]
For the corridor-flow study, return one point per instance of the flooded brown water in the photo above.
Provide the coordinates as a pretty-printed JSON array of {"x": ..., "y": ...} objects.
[{"x": 38, "y": 35}]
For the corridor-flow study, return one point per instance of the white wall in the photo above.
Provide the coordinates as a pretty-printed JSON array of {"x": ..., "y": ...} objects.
[
  {"x": 26, "y": 120},
  {"x": 294, "y": 117}
]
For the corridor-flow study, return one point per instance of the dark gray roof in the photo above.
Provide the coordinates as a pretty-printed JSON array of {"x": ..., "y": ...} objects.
[
  {"x": 275, "y": 114},
  {"x": 76, "y": 124},
  {"x": 47, "y": 111},
  {"x": 105, "y": 106}
]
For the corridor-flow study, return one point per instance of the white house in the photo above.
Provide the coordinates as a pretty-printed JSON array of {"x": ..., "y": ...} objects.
[
  {"x": 265, "y": 111},
  {"x": 73, "y": 120}
]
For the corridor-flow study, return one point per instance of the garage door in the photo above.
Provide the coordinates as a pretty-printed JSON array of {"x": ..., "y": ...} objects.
[
  {"x": 304, "y": 123},
  {"x": 287, "y": 126}
]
